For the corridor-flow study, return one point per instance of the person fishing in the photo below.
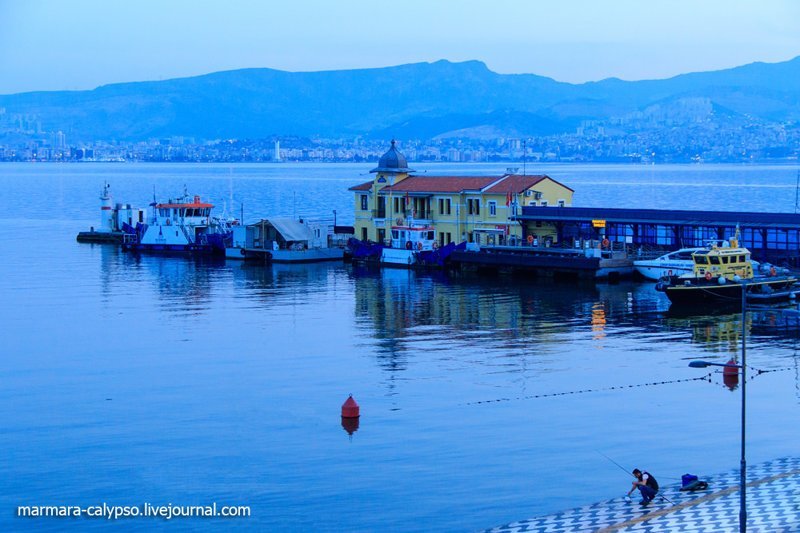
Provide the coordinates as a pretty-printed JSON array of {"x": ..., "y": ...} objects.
[{"x": 646, "y": 484}]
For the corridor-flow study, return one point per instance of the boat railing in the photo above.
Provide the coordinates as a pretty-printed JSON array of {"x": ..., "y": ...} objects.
[{"x": 646, "y": 255}]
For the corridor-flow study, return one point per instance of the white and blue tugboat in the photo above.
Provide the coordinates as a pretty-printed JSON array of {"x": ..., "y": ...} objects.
[{"x": 181, "y": 225}]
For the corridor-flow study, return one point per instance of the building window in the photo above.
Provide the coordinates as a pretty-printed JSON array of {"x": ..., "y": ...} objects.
[
  {"x": 492, "y": 209},
  {"x": 363, "y": 234},
  {"x": 544, "y": 203},
  {"x": 473, "y": 206},
  {"x": 444, "y": 206},
  {"x": 562, "y": 203},
  {"x": 364, "y": 204}
]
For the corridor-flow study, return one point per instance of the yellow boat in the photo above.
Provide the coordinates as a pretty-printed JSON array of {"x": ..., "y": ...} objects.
[{"x": 719, "y": 275}]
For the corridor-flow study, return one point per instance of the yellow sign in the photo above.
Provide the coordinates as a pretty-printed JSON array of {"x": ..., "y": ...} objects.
[{"x": 599, "y": 223}]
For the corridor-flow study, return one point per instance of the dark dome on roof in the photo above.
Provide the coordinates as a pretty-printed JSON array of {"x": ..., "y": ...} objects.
[{"x": 392, "y": 161}]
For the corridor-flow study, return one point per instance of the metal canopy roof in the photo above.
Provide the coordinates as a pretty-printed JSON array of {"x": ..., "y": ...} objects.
[
  {"x": 289, "y": 228},
  {"x": 661, "y": 216}
]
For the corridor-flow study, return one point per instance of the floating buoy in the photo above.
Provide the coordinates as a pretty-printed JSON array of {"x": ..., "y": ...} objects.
[
  {"x": 350, "y": 408},
  {"x": 730, "y": 375}
]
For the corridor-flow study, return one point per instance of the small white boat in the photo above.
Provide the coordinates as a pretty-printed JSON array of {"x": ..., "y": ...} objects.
[
  {"x": 672, "y": 264},
  {"x": 410, "y": 244}
]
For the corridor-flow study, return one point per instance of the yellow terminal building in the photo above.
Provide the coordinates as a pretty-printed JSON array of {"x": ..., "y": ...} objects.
[{"x": 479, "y": 209}]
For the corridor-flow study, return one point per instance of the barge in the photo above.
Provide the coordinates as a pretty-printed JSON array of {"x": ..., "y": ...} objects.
[{"x": 285, "y": 240}]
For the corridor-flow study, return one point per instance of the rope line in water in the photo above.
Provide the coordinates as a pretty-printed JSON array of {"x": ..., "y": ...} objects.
[{"x": 707, "y": 377}]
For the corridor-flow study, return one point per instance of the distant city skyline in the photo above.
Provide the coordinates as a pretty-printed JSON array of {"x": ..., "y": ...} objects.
[{"x": 82, "y": 44}]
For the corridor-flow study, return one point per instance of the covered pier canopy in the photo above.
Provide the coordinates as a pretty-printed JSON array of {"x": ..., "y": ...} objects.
[{"x": 771, "y": 237}]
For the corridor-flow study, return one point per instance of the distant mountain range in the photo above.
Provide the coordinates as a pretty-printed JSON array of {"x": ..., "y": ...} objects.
[{"x": 421, "y": 101}]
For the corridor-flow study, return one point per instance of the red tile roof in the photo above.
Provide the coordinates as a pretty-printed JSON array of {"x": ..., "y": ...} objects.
[
  {"x": 516, "y": 184},
  {"x": 363, "y": 187},
  {"x": 509, "y": 183},
  {"x": 441, "y": 184}
]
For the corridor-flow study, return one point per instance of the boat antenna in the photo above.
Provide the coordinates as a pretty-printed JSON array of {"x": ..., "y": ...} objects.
[
  {"x": 524, "y": 153},
  {"x": 796, "y": 192}
]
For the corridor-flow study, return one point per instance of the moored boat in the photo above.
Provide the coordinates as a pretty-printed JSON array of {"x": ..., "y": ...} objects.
[
  {"x": 411, "y": 246},
  {"x": 181, "y": 225},
  {"x": 285, "y": 240},
  {"x": 675, "y": 263},
  {"x": 720, "y": 274}
]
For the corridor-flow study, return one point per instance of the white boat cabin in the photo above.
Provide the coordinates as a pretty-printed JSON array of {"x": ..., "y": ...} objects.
[
  {"x": 182, "y": 213},
  {"x": 414, "y": 238}
]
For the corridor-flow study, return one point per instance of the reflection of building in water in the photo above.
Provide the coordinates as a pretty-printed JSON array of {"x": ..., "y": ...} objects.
[
  {"x": 777, "y": 322},
  {"x": 412, "y": 314}
]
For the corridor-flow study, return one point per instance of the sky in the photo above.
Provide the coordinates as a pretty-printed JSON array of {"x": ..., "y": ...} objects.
[{"x": 82, "y": 44}]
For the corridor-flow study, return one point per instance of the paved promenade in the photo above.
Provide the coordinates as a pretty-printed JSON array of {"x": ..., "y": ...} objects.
[{"x": 773, "y": 505}]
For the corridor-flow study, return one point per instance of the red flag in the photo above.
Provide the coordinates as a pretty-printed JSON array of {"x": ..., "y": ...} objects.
[
  {"x": 408, "y": 199},
  {"x": 508, "y": 199}
]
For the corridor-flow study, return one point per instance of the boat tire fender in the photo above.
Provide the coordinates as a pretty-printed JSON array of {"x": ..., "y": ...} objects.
[
  {"x": 606, "y": 243},
  {"x": 708, "y": 276},
  {"x": 408, "y": 245},
  {"x": 419, "y": 246}
]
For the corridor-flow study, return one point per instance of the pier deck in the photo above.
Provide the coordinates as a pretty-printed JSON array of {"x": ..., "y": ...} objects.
[
  {"x": 772, "y": 505},
  {"x": 544, "y": 261}
]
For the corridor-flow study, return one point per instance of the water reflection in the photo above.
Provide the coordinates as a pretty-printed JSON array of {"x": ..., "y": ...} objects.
[{"x": 508, "y": 316}]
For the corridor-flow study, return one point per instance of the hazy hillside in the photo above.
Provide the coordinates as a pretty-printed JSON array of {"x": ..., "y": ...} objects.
[{"x": 422, "y": 100}]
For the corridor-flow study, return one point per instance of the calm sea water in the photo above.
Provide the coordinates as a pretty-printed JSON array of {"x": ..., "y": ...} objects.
[{"x": 164, "y": 380}]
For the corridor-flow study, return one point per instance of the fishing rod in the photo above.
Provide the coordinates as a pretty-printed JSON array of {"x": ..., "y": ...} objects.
[
  {"x": 616, "y": 463},
  {"x": 630, "y": 473}
]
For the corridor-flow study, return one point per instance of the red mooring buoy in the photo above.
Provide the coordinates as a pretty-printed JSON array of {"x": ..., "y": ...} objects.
[
  {"x": 350, "y": 408},
  {"x": 730, "y": 375}
]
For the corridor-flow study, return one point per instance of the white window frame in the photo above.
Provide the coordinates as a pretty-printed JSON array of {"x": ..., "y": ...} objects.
[{"x": 491, "y": 207}]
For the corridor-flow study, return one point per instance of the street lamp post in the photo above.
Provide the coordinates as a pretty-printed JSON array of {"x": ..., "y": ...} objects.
[{"x": 743, "y": 367}]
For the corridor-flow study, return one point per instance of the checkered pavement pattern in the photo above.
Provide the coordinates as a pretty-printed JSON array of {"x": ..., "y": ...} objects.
[{"x": 772, "y": 506}]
